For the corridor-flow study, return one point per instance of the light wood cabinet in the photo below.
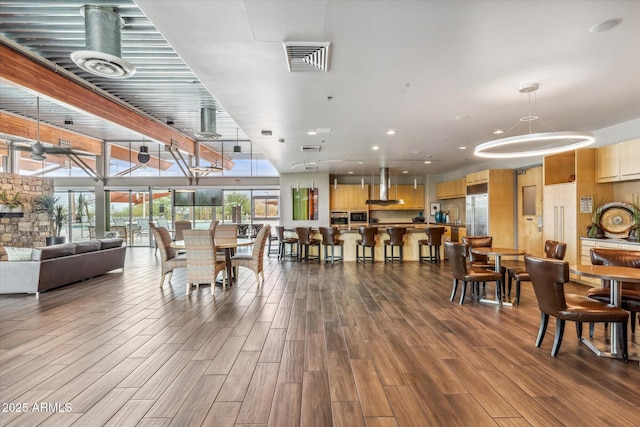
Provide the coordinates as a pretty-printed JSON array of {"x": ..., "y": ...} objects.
[
  {"x": 477, "y": 177},
  {"x": 339, "y": 198},
  {"x": 608, "y": 163},
  {"x": 348, "y": 197},
  {"x": 453, "y": 189},
  {"x": 618, "y": 162},
  {"x": 568, "y": 177},
  {"x": 630, "y": 160}
]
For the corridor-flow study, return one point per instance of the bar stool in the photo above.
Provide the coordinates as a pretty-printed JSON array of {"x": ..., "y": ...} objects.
[
  {"x": 433, "y": 241},
  {"x": 305, "y": 241},
  {"x": 283, "y": 242},
  {"x": 396, "y": 239},
  {"x": 329, "y": 239},
  {"x": 367, "y": 240}
]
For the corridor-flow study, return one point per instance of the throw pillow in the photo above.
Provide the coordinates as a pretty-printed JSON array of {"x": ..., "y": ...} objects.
[{"x": 18, "y": 254}]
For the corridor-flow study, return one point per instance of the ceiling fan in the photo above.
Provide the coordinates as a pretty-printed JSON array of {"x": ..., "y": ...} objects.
[{"x": 39, "y": 150}]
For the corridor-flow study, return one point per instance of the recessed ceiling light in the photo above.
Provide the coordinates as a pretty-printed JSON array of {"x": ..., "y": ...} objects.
[
  {"x": 461, "y": 117},
  {"x": 427, "y": 162},
  {"x": 498, "y": 132},
  {"x": 405, "y": 171},
  {"x": 350, "y": 172},
  {"x": 391, "y": 132},
  {"x": 462, "y": 148},
  {"x": 605, "y": 26},
  {"x": 312, "y": 132},
  {"x": 375, "y": 147},
  {"x": 360, "y": 163},
  {"x": 267, "y": 132}
]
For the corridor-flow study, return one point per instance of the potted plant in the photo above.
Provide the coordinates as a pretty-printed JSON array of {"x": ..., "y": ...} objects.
[
  {"x": 594, "y": 230},
  {"x": 15, "y": 205},
  {"x": 4, "y": 202},
  {"x": 634, "y": 231},
  {"x": 57, "y": 215}
]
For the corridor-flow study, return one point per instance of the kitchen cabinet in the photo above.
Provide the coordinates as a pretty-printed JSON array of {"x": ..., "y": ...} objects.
[
  {"x": 477, "y": 178},
  {"x": 618, "y": 162},
  {"x": 453, "y": 189},
  {"x": 569, "y": 176},
  {"x": 348, "y": 197},
  {"x": 630, "y": 160},
  {"x": 608, "y": 163}
]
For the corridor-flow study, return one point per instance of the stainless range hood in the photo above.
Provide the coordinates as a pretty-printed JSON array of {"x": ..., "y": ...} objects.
[{"x": 384, "y": 191}]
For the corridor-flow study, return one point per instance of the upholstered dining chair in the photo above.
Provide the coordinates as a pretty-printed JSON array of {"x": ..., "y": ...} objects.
[
  {"x": 330, "y": 240},
  {"x": 630, "y": 300},
  {"x": 478, "y": 260},
  {"x": 305, "y": 242},
  {"x": 169, "y": 258},
  {"x": 433, "y": 241},
  {"x": 395, "y": 240},
  {"x": 457, "y": 254},
  {"x": 516, "y": 270},
  {"x": 283, "y": 242},
  {"x": 548, "y": 277},
  {"x": 367, "y": 240},
  {"x": 203, "y": 265},
  {"x": 255, "y": 260}
]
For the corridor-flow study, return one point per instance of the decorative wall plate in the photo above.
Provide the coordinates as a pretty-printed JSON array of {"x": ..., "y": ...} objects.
[{"x": 616, "y": 218}]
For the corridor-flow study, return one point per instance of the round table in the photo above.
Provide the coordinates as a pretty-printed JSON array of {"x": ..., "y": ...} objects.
[
  {"x": 497, "y": 253},
  {"x": 616, "y": 275}
]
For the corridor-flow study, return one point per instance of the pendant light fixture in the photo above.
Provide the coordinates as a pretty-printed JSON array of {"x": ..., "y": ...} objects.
[
  {"x": 237, "y": 148},
  {"x": 143, "y": 155},
  {"x": 533, "y": 144}
]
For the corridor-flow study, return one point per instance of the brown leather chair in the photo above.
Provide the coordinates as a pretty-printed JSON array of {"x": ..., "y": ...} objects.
[
  {"x": 457, "y": 254},
  {"x": 433, "y": 241},
  {"x": 329, "y": 239},
  {"x": 552, "y": 250},
  {"x": 367, "y": 240},
  {"x": 396, "y": 239},
  {"x": 548, "y": 277},
  {"x": 478, "y": 260},
  {"x": 305, "y": 241},
  {"x": 630, "y": 291},
  {"x": 283, "y": 242}
]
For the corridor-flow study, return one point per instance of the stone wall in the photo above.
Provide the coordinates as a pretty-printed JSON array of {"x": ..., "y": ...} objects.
[{"x": 32, "y": 229}]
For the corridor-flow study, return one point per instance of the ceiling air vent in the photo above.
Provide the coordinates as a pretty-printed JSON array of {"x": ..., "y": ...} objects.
[
  {"x": 102, "y": 33},
  {"x": 307, "y": 57},
  {"x": 310, "y": 148}
]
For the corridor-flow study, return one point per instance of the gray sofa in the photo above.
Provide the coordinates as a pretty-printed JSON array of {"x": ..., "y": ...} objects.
[{"x": 59, "y": 265}]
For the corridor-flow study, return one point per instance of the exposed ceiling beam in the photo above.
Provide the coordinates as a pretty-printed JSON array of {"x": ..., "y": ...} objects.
[
  {"x": 12, "y": 124},
  {"x": 22, "y": 70}
]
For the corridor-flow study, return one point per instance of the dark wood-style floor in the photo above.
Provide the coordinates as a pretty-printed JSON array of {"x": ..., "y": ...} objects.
[{"x": 344, "y": 345}]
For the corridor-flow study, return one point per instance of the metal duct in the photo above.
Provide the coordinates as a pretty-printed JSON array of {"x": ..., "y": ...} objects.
[
  {"x": 102, "y": 33},
  {"x": 207, "y": 124},
  {"x": 384, "y": 191}
]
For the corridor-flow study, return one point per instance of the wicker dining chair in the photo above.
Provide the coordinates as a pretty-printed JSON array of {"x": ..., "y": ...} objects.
[
  {"x": 169, "y": 258},
  {"x": 203, "y": 265},
  {"x": 255, "y": 260}
]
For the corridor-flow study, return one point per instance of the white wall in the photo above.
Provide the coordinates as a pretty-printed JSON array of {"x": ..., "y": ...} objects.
[{"x": 289, "y": 181}]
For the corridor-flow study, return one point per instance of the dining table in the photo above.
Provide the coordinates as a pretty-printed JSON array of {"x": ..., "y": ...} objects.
[
  {"x": 616, "y": 275},
  {"x": 497, "y": 254},
  {"x": 229, "y": 244}
]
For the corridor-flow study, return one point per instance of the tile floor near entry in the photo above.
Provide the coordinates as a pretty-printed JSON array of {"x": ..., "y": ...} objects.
[{"x": 344, "y": 345}]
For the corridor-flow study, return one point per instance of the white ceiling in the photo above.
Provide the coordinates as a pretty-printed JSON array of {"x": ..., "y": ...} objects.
[{"x": 412, "y": 66}]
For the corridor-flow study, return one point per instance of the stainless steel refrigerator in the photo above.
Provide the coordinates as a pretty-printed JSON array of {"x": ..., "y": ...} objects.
[{"x": 477, "y": 214}]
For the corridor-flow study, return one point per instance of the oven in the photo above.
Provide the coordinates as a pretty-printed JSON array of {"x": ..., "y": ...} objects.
[
  {"x": 358, "y": 216},
  {"x": 339, "y": 218}
]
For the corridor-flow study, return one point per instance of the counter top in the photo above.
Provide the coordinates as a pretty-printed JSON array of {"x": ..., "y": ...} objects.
[
  {"x": 608, "y": 240},
  {"x": 447, "y": 224}
]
